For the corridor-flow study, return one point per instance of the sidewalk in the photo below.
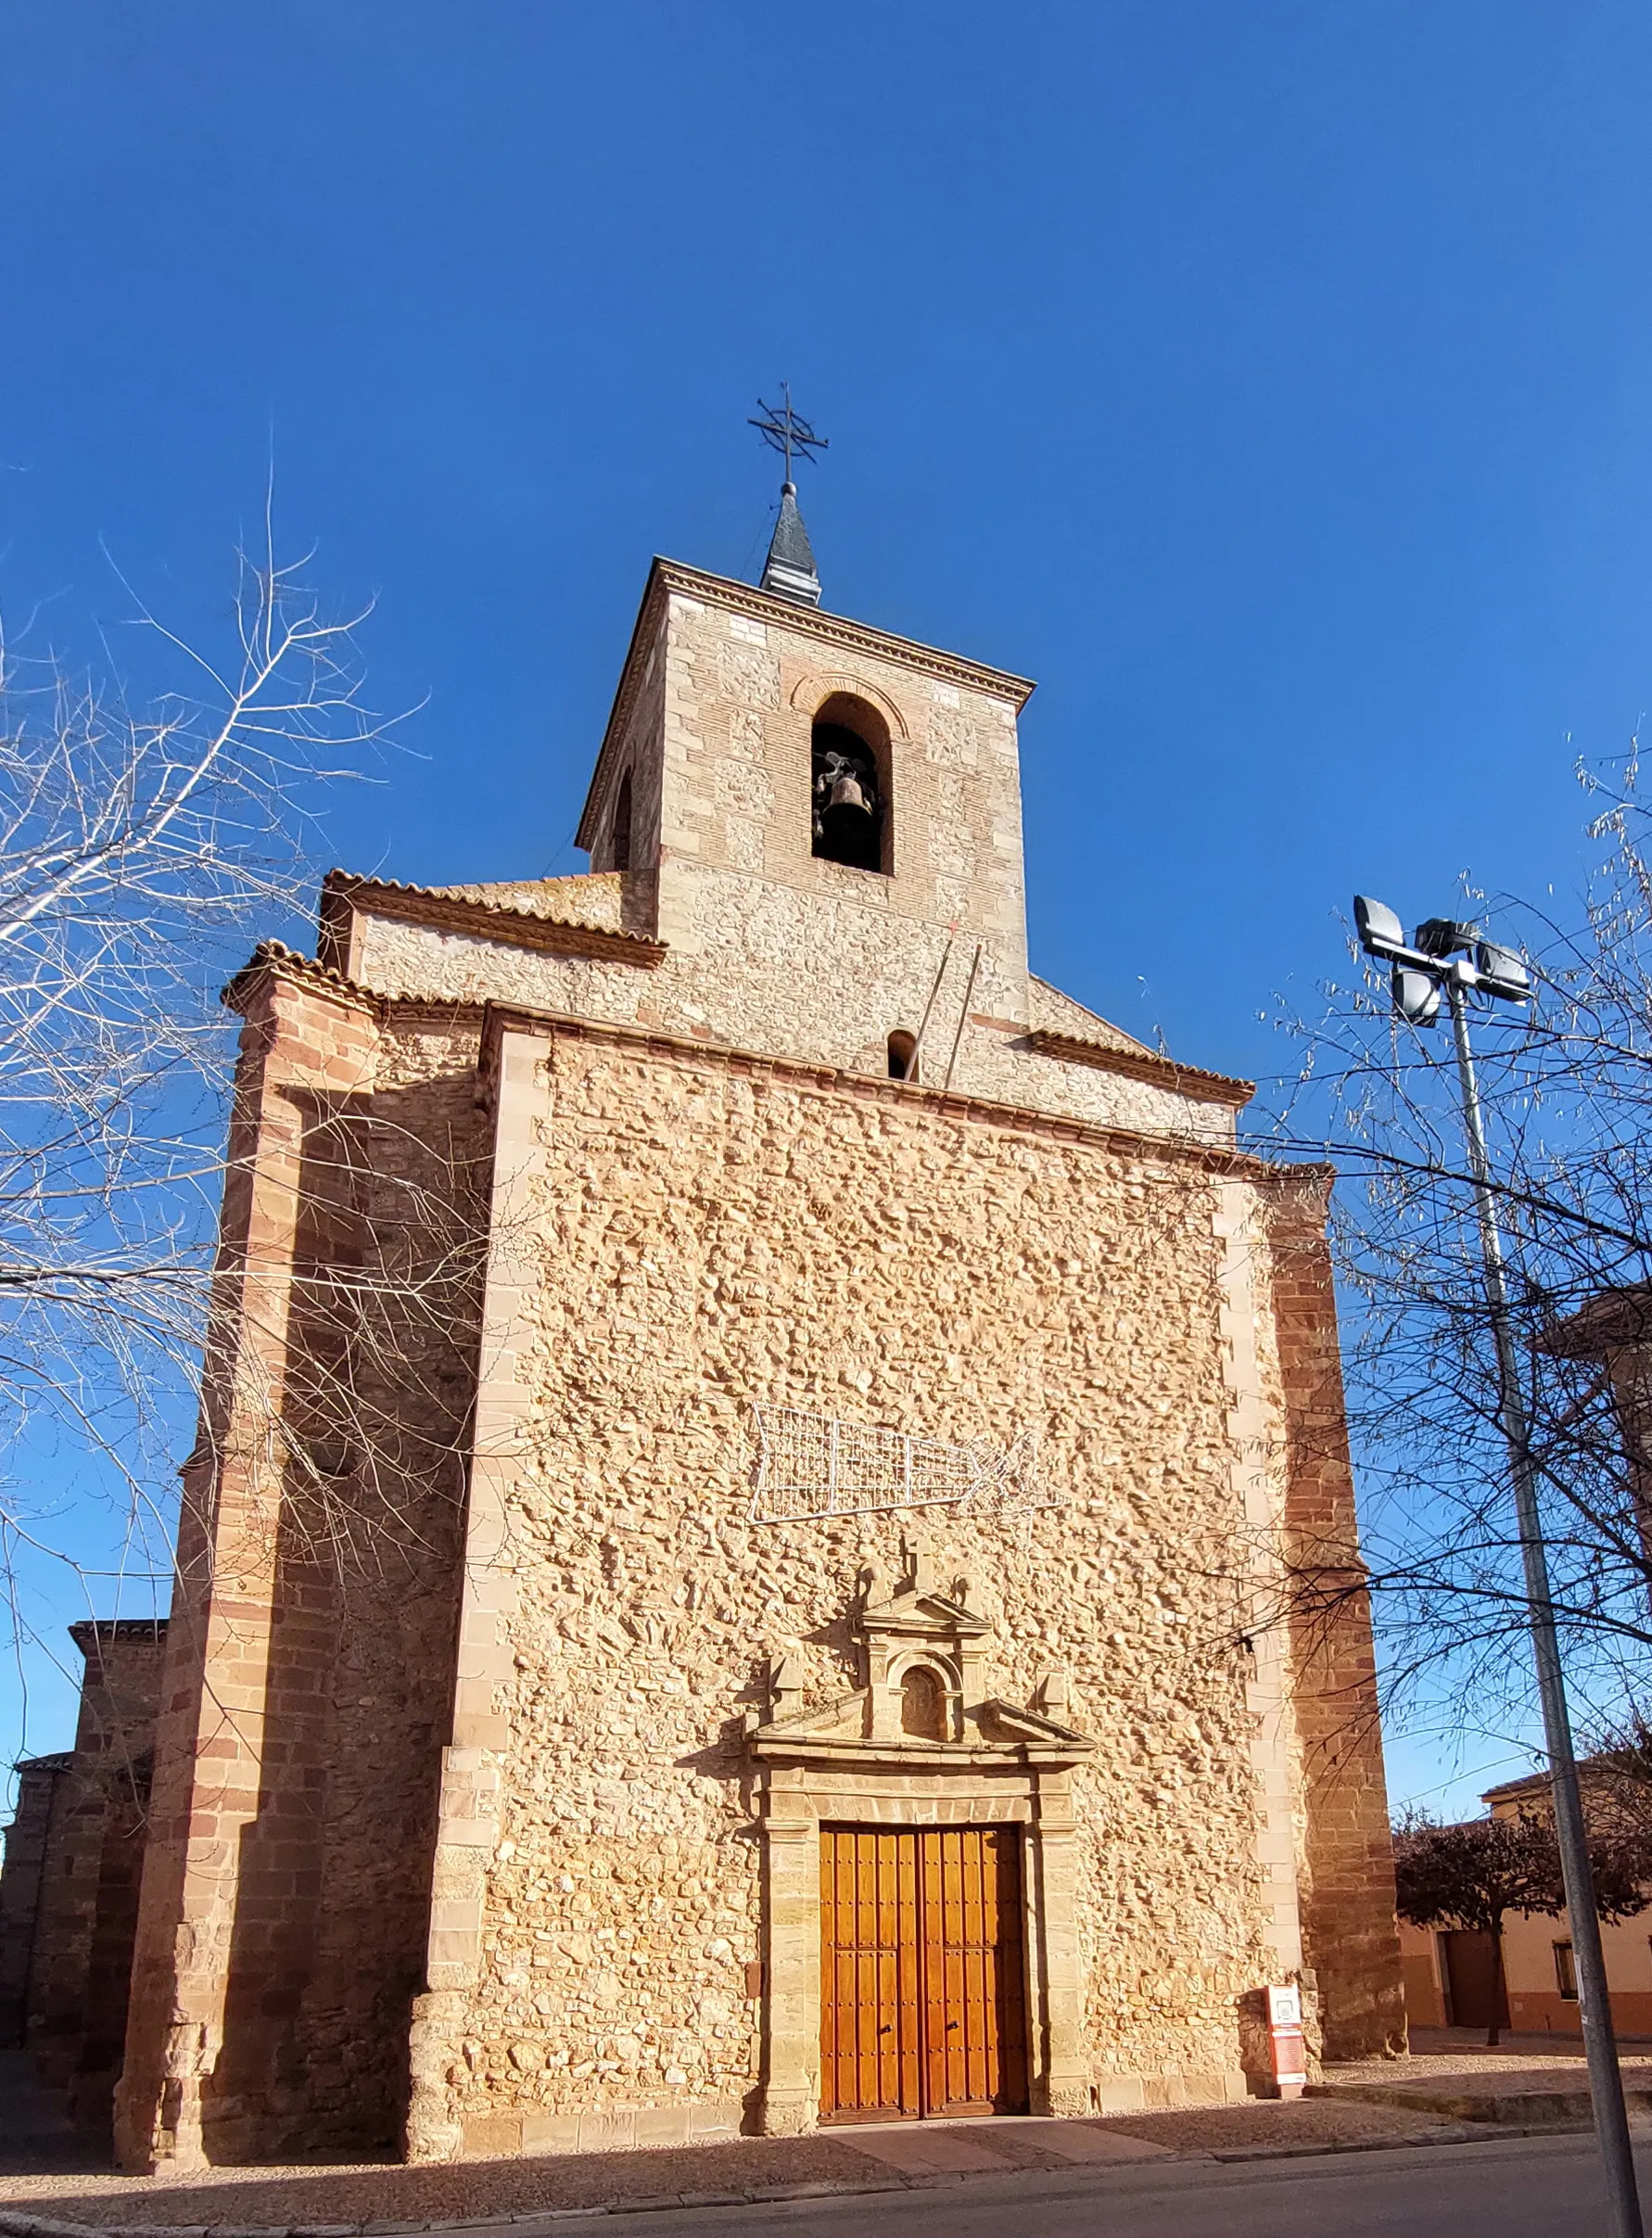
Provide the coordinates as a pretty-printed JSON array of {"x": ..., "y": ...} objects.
[
  {"x": 1456, "y": 2075},
  {"x": 386, "y": 2196}
]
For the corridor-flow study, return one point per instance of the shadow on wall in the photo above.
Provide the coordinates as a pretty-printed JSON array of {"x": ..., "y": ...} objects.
[{"x": 333, "y": 1879}]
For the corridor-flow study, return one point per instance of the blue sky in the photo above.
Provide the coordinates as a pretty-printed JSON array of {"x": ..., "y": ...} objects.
[{"x": 1268, "y": 380}]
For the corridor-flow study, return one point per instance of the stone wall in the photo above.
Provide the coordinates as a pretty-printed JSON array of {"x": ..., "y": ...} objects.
[
  {"x": 795, "y": 976},
  {"x": 742, "y": 693},
  {"x": 82, "y": 1941},
  {"x": 40, "y": 1785},
  {"x": 709, "y": 1231}
]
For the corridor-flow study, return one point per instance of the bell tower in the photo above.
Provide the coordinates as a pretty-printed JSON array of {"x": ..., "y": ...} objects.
[{"x": 814, "y": 809}]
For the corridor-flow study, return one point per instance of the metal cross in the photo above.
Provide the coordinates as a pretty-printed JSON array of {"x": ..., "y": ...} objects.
[{"x": 787, "y": 431}]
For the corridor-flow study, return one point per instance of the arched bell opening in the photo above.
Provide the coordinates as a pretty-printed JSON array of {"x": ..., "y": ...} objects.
[
  {"x": 849, "y": 788},
  {"x": 903, "y": 1055}
]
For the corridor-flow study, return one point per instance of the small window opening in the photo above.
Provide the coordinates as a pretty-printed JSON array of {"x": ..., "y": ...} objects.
[
  {"x": 619, "y": 838},
  {"x": 848, "y": 806},
  {"x": 923, "y": 1705},
  {"x": 903, "y": 1055},
  {"x": 1566, "y": 1972}
]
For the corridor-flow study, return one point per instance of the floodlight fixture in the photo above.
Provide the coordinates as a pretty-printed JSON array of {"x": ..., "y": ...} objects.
[
  {"x": 1445, "y": 937},
  {"x": 1443, "y": 950},
  {"x": 1380, "y": 932},
  {"x": 1501, "y": 971},
  {"x": 1416, "y": 995}
]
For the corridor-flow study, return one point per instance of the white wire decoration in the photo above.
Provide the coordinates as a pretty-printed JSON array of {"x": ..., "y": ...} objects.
[{"x": 811, "y": 1467}]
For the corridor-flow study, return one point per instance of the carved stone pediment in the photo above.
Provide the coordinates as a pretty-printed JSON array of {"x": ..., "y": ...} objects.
[
  {"x": 924, "y": 1701},
  {"x": 914, "y": 1615},
  {"x": 1040, "y": 1732},
  {"x": 843, "y": 1718}
]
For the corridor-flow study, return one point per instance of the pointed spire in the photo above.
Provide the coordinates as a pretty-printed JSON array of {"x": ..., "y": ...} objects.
[{"x": 789, "y": 571}]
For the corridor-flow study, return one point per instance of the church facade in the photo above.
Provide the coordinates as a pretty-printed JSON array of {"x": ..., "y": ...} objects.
[{"x": 735, "y": 1573}]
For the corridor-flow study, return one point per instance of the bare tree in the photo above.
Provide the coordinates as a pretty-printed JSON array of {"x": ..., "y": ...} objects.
[
  {"x": 138, "y": 844},
  {"x": 1568, "y": 1095}
]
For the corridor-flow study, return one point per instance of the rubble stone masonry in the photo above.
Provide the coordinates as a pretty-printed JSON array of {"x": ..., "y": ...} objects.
[{"x": 705, "y": 1232}]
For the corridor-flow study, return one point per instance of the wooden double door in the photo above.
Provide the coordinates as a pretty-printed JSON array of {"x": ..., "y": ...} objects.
[{"x": 922, "y": 1978}]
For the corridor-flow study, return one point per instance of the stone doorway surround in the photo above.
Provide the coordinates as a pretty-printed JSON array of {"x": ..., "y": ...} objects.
[{"x": 848, "y": 1762}]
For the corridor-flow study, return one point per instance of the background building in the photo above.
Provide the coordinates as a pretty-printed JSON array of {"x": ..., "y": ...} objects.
[{"x": 1451, "y": 1974}]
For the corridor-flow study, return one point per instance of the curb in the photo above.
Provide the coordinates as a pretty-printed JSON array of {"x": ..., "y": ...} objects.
[
  {"x": 657, "y": 2202},
  {"x": 1456, "y": 2132}
]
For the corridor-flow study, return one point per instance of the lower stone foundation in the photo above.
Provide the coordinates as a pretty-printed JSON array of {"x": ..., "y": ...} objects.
[
  {"x": 625, "y": 2128},
  {"x": 600, "y": 2129}
]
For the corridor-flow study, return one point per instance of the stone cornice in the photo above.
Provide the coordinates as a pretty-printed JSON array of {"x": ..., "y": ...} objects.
[
  {"x": 1189, "y": 1080},
  {"x": 921, "y": 1616},
  {"x": 275, "y": 959},
  {"x": 112, "y": 1630},
  {"x": 833, "y": 631},
  {"x": 651, "y": 1041},
  {"x": 491, "y": 921},
  {"x": 838, "y": 630},
  {"x": 916, "y": 1755}
]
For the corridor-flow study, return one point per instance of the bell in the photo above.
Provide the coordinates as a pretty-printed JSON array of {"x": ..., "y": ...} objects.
[{"x": 846, "y": 794}]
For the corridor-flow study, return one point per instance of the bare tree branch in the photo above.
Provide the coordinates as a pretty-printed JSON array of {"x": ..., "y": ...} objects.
[
  {"x": 1568, "y": 1096},
  {"x": 139, "y": 848}
]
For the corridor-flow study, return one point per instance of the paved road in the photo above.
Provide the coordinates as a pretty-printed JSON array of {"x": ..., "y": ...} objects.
[{"x": 1527, "y": 2188}]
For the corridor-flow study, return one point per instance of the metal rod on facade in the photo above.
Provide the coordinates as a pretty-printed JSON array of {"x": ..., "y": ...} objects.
[
  {"x": 963, "y": 1016},
  {"x": 912, "y": 1072},
  {"x": 1605, "y": 2080}
]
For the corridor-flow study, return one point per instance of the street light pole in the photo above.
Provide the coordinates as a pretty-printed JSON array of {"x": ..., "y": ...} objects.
[
  {"x": 1594, "y": 2011},
  {"x": 1432, "y": 963}
]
